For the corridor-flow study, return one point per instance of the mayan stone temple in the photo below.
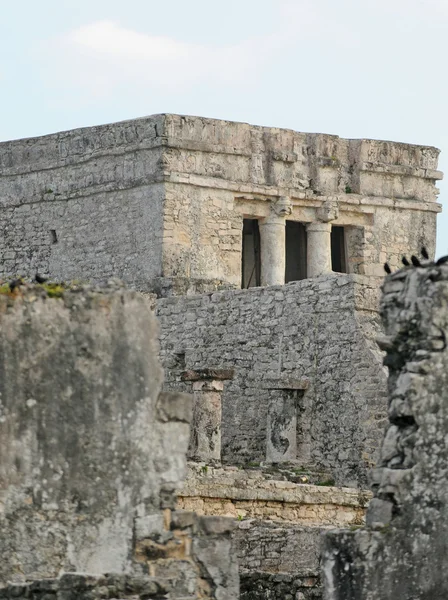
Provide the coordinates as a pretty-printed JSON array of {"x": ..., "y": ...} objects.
[{"x": 200, "y": 360}]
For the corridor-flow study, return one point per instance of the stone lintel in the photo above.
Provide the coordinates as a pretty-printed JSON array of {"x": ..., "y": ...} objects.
[
  {"x": 204, "y": 374},
  {"x": 260, "y": 192}
]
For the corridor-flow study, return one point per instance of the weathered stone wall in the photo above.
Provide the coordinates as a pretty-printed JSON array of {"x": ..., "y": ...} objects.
[
  {"x": 278, "y": 561},
  {"x": 279, "y": 522},
  {"x": 84, "y": 204},
  {"x": 92, "y": 453},
  {"x": 401, "y": 554},
  {"x": 268, "y": 156},
  {"x": 160, "y": 201},
  {"x": 202, "y": 233},
  {"x": 84, "y": 436},
  {"x": 308, "y": 382}
]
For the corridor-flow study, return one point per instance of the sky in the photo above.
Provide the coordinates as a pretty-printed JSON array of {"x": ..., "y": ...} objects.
[{"x": 354, "y": 68}]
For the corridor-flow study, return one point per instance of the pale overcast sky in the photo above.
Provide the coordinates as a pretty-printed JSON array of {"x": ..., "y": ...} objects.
[{"x": 355, "y": 68}]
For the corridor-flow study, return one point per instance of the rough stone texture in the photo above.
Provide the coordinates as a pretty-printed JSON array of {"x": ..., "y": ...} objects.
[
  {"x": 194, "y": 555},
  {"x": 278, "y": 561},
  {"x": 281, "y": 586},
  {"x": 279, "y": 524},
  {"x": 89, "y": 587},
  {"x": 401, "y": 554},
  {"x": 91, "y": 454},
  {"x": 80, "y": 450},
  {"x": 292, "y": 345},
  {"x": 159, "y": 201},
  {"x": 83, "y": 204}
]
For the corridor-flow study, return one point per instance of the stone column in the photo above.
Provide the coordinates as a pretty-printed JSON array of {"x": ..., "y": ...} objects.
[
  {"x": 273, "y": 256},
  {"x": 205, "y": 435},
  {"x": 318, "y": 249},
  {"x": 319, "y": 239},
  {"x": 272, "y": 238}
]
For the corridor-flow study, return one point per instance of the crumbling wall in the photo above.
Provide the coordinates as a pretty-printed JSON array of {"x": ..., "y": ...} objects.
[
  {"x": 92, "y": 453},
  {"x": 307, "y": 346},
  {"x": 279, "y": 523},
  {"x": 401, "y": 554}
]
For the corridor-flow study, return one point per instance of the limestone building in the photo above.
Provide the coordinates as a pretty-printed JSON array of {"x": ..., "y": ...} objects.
[
  {"x": 288, "y": 382},
  {"x": 180, "y": 204}
]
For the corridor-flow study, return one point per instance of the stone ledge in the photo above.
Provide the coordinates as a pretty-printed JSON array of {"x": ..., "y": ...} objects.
[
  {"x": 275, "y": 491},
  {"x": 247, "y": 494}
]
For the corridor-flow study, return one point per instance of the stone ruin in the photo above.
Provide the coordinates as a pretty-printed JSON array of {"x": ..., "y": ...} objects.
[
  {"x": 261, "y": 252},
  {"x": 91, "y": 453},
  {"x": 401, "y": 554}
]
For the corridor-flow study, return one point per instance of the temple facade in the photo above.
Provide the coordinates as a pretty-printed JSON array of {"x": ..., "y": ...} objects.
[{"x": 186, "y": 204}]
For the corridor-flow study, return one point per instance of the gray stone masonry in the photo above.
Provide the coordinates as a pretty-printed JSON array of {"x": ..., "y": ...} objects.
[
  {"x": 402, "y": 552},
  {"x": 278, "y": 560},
  {"x": 159, "y": 202},
  {"x": 91, "y": 455},
  {"x": 308, "y": 377}
]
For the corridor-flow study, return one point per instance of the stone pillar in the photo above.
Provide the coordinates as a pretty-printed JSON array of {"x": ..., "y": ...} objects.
[
  {"x": 205, "y": 437},
  {"x": 281, "y": 442},
  {"x": 318, "y": 249},
  {"x": 273, "y": 255},
  {"x": 272, "y": 239}
]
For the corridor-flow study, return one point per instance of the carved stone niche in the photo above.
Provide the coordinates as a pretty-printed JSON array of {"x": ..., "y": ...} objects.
[{"x": 283, "y": 419}]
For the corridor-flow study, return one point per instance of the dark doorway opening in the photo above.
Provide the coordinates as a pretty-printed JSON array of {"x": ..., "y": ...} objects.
[
  {"x": 338, "y": 251},
  {"x": 251, "y": 263},
  {"x": 295, "y": 251}
]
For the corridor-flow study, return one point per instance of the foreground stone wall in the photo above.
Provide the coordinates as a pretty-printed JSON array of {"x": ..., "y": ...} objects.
[
  {"x": 79, "y": 387},
  {"x": 401, "y": 554},
  {"x": 92, "y": 453},
  {"x": 308, "y": 385},
  {"x": 279, "y": 561}
]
